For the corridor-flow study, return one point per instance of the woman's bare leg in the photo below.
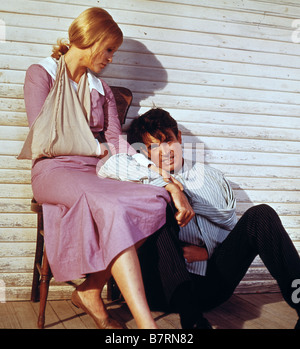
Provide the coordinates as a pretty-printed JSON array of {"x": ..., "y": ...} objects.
[
  {"x": 90, "y": 293},
  {"x": 127, "y": 273}
]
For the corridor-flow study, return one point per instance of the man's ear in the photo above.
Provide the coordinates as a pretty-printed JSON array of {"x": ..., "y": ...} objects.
[{"x": 179, "y": 138}]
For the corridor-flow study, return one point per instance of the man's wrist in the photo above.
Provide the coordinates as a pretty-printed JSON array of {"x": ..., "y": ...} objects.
[{"x": 172, "y": 188}]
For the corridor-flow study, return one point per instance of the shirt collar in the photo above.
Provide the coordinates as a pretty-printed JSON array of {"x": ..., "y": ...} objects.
[
  {"x": 50, "y": 64},
  {"x": 95, "y": 83},
  {"x": 185, "y": 169}
]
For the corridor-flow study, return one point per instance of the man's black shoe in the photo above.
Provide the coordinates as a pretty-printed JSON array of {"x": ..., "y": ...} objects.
[{"x": 202, "y": 324}]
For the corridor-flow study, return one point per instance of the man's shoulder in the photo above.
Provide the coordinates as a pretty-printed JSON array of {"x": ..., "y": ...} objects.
[
  {"x": 213, "y": 170},
  {"x": 207, "y": 169}
]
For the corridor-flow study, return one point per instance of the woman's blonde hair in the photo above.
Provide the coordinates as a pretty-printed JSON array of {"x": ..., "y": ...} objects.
[{"x": 91, "y": 26}]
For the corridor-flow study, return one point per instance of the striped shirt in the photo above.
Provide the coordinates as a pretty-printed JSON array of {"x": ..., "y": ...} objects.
[{"x": 209, "y": 194}]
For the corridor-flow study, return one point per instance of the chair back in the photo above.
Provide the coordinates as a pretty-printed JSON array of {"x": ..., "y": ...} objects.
[{"x": 123, "y": 97}]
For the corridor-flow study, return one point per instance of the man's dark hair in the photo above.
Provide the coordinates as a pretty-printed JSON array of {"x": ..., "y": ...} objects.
[{"x": 155, "y": 121}]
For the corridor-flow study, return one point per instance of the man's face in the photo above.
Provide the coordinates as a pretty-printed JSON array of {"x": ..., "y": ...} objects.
[{"x": 166, "y": 152}]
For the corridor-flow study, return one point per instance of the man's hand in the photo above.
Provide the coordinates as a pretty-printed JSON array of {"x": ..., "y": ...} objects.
[
  {"x": 193, "y": 253},
  {"x": 167, "y": 177},
  {"x": 184, "y": 210}
]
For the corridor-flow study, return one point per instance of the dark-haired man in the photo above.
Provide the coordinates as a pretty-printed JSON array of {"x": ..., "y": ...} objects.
[{"x": 217, "y": 249}]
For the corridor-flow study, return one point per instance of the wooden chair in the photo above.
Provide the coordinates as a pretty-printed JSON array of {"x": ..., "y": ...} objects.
[{"x": 42, "y": 271}]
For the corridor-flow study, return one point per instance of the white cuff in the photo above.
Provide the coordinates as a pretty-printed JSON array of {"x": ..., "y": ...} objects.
[
  {"x": 98, "y": 151},
  {"x": 142, "y": 160}
]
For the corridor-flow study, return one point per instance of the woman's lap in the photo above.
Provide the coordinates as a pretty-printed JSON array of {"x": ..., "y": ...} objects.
[
  {"x": 96, "y": 217},
  {"x": 66, "y": 184}
]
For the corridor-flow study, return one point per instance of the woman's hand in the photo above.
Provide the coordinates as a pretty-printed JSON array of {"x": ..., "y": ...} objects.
[
  {"x": 184, "y": 210},
  {"x": 193, "y": 253}
]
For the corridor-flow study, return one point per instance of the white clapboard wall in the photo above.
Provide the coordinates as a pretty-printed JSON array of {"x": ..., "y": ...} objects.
[{"x": 228, "y": 71}]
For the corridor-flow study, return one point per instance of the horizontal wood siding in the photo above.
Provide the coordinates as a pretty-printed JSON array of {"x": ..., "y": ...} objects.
[{"x": 228, "y": 71}]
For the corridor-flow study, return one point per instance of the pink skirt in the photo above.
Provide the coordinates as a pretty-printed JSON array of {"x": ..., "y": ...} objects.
[{"x": 89, "y": 220}]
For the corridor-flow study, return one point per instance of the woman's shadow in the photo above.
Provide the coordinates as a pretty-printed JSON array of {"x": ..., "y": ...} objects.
[{"x": 137, "y": 68}]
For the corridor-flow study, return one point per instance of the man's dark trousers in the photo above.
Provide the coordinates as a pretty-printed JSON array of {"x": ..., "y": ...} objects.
[{"x": 258, "y": 232}]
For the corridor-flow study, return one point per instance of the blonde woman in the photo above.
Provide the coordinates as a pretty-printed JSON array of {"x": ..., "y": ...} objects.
[{"x": 92, "y": 225}]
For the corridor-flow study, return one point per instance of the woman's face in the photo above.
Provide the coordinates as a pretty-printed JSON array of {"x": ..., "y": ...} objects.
[{"x": 101, "y": 55}]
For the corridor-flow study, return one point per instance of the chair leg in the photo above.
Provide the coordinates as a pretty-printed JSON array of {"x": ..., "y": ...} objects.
[
  {"x": 46, "y": 276},
  {"x": 35, "y": 294}
]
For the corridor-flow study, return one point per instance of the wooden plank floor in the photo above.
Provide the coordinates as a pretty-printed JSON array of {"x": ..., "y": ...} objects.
[{"x": 243, "y": 311}]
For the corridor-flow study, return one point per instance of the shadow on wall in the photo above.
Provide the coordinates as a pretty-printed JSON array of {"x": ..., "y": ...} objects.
[{"x": 137, "y": 68}]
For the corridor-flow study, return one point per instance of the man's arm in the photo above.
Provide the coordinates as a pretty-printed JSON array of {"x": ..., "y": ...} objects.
[
  {"x": 185, "y": 211},
  {"x": 124, "y": 167}
]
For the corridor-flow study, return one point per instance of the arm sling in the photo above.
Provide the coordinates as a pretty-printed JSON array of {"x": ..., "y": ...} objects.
[{"x": 62, "y": 126}]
